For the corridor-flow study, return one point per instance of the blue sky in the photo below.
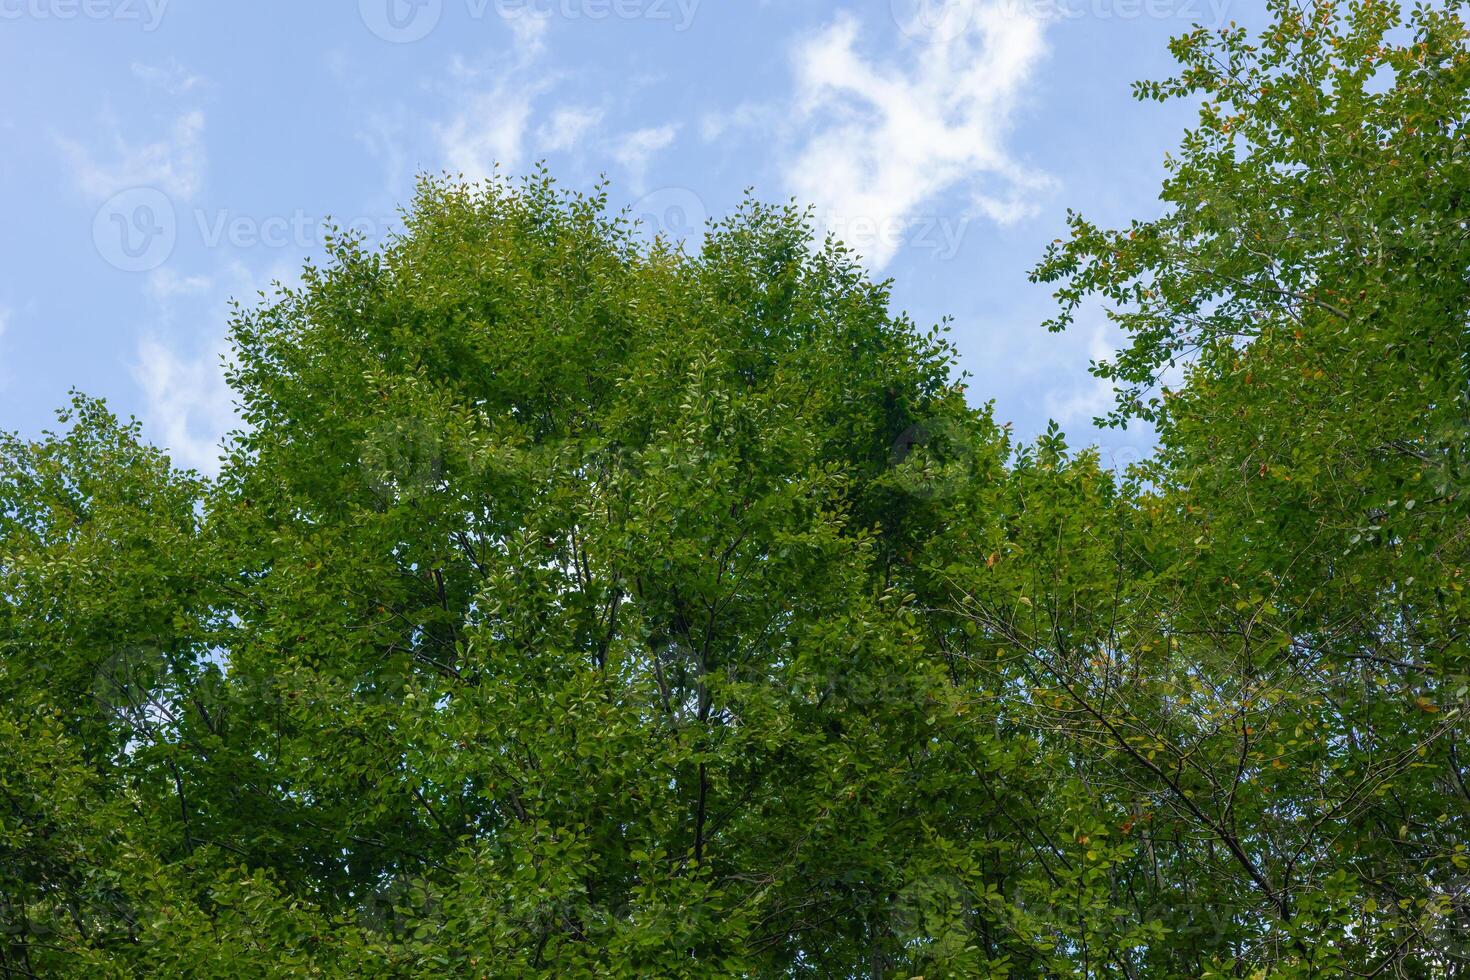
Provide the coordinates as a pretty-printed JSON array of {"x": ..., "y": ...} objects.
[{"x": 158, "y": 157}]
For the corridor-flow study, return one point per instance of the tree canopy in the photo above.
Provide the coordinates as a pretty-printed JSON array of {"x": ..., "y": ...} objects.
[{"x": 577, "y": 605}]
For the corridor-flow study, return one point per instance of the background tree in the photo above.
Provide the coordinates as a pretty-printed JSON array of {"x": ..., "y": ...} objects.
[{"x": 1284, "y": 674}]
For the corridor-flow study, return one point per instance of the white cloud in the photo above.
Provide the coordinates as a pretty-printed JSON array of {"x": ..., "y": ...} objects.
[
  {"x": 890, "y": 138},
  {"x": 165, "y": 284},
  {"x": 173, "y": 165},
  {"x": 489, "y": 124},
  {"x": 498, "y": 115},
  {"x": 745, "y": 117},
  {"x": 635, "y": 149},
  {"x": 1094, "y": 397},
  {"x": 501, "y": 115},
  {"x": 171, "y": 76},
  {"x": 567, "y": 127},
  {"x": 385, "y": 136},
  {"x": 188, "y": 405},
  {"x": 529, "y": 27},
  {"x": 488, "y": 129}
]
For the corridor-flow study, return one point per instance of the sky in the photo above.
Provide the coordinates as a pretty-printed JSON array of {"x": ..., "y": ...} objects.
[{"x": 159, "y": 157}]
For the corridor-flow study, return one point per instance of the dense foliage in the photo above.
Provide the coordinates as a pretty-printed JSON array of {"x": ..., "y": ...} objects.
[{"x": 573, "y": 605}]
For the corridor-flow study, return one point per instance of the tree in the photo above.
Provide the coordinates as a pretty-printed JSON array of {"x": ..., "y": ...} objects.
[
  {"x": 543, "y": 618},
  {"x": 573, "y": 604},
  {"x": 1284, "y": 669}
]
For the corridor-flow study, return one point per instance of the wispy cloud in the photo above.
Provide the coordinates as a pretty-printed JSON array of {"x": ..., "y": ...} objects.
[
  {"x": 173, "y": 164},
  {"x": 529, "y": 29},
  {"x": 567, "y": 127},
  {"x": 885, "y": 138},
  {"x": 170, "y": 76},
  {"x": 489, "y": 128},
  {"x": 384, "y": 136},
  {"x": 499, "y": 113},
  {"x": 489, "y": 124},
  {"x": 635, "y": 149},
  {"x": 744, "y": 118},
  {"x": 188, "y": 407},
  {"x": 164, "y": 284},
  {"x": 1091, "y": 399}
]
